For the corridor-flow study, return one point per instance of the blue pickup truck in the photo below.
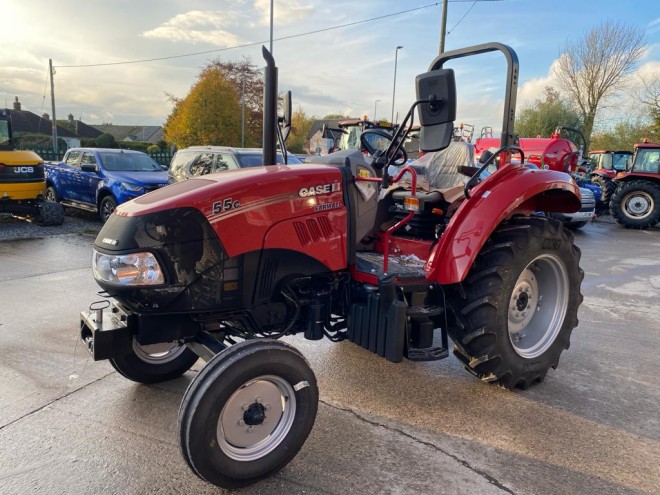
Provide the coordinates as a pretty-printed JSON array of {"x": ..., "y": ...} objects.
[{"x": 99, "y": 179}]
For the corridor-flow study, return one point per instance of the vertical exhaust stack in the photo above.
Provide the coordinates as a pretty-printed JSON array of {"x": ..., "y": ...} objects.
[{"x": 270, "y": 108}]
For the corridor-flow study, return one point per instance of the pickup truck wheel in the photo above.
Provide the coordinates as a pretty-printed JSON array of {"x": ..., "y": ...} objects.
[
  {"x": 636, "y": 204},
  {"x": 107, "y": 206},
  {"x": 50, "y": 213},
  {"x": 51, "y": 194},
  {"x": 155, "y": 363},
  {"x": 517, "y": 307},
  {"x": 247, "y": 413}
]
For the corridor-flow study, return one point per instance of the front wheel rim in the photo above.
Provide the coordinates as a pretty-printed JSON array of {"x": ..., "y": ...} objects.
[
  {"x": 638, "y": 205},
  {"x": 106, "y": 209},
  {"x": 538, "y": 306},
  {"x": 158, "y": 353},
  {"x": 257, "y": 418}
]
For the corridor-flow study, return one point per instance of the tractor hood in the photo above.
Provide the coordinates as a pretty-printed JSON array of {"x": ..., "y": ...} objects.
[
  {"x": 216, "y": 194},
  {"x": 239, "y": 208}
]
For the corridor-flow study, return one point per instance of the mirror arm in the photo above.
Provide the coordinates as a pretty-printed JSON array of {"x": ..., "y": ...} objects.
[{"x": 398, "y": 139}]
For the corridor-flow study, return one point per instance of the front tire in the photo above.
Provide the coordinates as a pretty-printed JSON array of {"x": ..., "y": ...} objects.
[
  {"x": 607, "y": 188},
  {"x": 517, "y": 307},
  {"x": 247, "y": 413},
  {"x": 155, "y": 363},
  {"x": 107, "y": 206},
  {"x": 50, "y": 213},
  {"x": 636, "y": 204}
]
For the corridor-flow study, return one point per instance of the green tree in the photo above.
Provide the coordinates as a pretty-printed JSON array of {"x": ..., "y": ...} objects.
[
  {"x": 208, "y": 115},
  {"x": 594, "y": 68},
  {"x": 248, "y": 81},
  {"x": 105, "y": 141},
  {"x": 300, "y": 126},
  {"x": 335, "y": 116},
  {"x": 544, "y": 115},
  {"x": 621, "y": 137}
]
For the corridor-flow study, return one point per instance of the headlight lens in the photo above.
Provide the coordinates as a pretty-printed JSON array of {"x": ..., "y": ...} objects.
[
  {"x": 132, "y": 187},
  {"x": 127, "y": 269}
]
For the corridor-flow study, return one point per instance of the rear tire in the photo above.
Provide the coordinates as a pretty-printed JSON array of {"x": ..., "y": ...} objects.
[
  {"x": 247, "y": 413},
  {"x": 51, "y": 213},
  {"x": 517, "y": 307},
  {"x": 107, "y": 206},
  {"x": 636, "y": 204},
  {"x": 155, "y": 363}
]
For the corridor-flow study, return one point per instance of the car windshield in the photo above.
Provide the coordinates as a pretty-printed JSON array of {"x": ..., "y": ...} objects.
[
  {"x": 128, "y": 162},
  {"x": 256, "y": 160}
]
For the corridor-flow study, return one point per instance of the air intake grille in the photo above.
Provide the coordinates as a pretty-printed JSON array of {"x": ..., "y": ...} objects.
[{"x": 313, "y": 230}]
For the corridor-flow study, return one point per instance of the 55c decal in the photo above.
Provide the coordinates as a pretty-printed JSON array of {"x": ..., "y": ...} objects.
[{"x": 225, "y": 205}]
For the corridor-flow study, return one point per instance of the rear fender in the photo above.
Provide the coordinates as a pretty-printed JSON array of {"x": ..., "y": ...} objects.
[{"x": 509, "y": 191}]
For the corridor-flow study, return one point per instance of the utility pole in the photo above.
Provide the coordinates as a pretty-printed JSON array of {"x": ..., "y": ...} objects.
[
  {"x": 243, "y": 114},
  {"x": 52, "y": 101},
  {"x": 271, "y": 26},
  {"x": 443, "y": 28},
  {"x": 396, "y": 53}
]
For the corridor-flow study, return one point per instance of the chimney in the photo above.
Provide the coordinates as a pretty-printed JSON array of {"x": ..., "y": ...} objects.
[
  {"x": 17, "y": 104},
  {"x": 70, "y": 117},
  {"x": 45, "y": 116}
]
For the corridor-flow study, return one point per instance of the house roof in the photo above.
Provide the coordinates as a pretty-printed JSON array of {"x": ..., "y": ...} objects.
[
  {"x": 79, "y": 128},
  {"x": 28, "y": 122},
  {"x": 318, "y": 125},
  {"x": 149, "y": 133}
]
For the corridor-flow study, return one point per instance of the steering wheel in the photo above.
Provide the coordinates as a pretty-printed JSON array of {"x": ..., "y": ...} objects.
[
  {"x": 474, "y": 180},
  {"x": 374, "y": 141}
]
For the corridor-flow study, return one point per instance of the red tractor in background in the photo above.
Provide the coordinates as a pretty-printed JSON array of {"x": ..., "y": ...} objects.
[
  {"x": 221, "y": 266},
  {"x": 635, "y": 203},
  {"x": 604, "y": 167}
]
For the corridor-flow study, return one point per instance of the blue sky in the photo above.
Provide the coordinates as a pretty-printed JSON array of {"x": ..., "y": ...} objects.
[{"x": 343, "y": 70}]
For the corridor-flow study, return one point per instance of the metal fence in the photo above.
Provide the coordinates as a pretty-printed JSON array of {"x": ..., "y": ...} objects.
[{"x": 48, "y": 155}]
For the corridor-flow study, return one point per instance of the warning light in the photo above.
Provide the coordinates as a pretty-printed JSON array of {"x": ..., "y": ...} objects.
[{"x": 411, "y": 204}]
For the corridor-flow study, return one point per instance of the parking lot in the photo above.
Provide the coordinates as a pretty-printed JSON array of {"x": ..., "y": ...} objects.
[{"x": 69, "y": 425}]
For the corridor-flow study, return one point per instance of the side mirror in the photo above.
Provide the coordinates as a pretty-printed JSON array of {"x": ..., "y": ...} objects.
[
  {"x": 437, "y": 115},
  {"x": 89, "y": 167},
  {"x": 286, "y": 123}
]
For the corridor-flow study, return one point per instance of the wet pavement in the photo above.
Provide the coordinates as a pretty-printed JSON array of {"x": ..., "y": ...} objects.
[{"x": 69, "y": 425}]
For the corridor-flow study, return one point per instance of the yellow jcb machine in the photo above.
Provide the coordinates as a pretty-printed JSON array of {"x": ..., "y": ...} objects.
[{"x": 23, "y": 181}]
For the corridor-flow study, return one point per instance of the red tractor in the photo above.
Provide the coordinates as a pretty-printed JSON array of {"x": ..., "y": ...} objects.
[
  {"x": 605, "y": 165},
  {"x": 221, "y": 266},
  {"x": 635, "y": 203}
]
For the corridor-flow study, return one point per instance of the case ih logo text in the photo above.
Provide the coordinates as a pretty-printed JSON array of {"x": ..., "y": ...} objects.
[{"x": 320, "y": 189}]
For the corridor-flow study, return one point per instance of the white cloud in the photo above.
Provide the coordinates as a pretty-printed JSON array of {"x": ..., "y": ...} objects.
[
  {"x": 284, "y": 11},
  {"x": 200, "y": 26}
]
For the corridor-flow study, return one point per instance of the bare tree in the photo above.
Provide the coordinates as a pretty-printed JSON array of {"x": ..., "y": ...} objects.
[
  {"x": 649, "y": 94},
  {"x": 595, "y": 67}
]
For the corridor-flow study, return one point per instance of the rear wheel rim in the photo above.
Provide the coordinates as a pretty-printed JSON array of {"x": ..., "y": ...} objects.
[
  {"x": 538, "y": 306},
  {"x": 257, "y": 418},
  {"x": 638, "y": 205}
]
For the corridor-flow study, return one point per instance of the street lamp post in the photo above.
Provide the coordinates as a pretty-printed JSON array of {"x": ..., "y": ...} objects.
[
  {"x": 375, "y": 103},
  {"x": 396, "y": 53}
]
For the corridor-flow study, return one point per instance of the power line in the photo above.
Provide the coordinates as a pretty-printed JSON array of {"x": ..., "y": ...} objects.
[
  {"x": 277, "y": 39},
  {"x": 464, "y": 16}
]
